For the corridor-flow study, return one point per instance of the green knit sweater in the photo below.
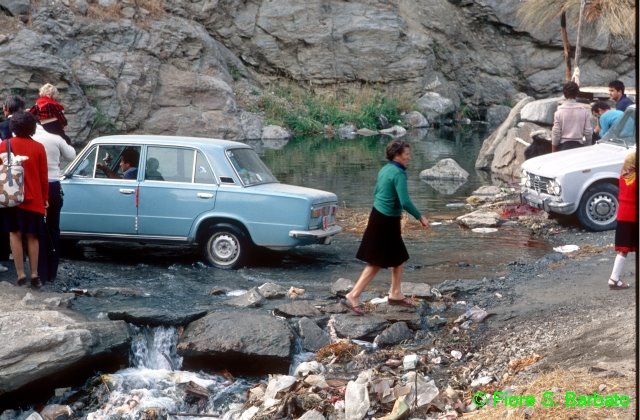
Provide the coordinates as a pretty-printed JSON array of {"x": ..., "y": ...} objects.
[{"x": 391, "y": 194}]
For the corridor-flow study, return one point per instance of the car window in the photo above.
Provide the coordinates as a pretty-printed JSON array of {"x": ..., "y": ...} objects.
[
  {"x": 204, "y": 174},
  {"x": 249, "y": 167},
  {"x": 172, "y": 164},
  {"x": 109, "y": 156},
  {"x": 624, "y": 130}
]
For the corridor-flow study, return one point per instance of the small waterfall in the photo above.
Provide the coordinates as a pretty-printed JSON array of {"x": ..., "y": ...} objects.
[
  {"x": 299, "y": 355},
  {"x": 154, "y": 348},
  {"x": 154, "y": 385}
]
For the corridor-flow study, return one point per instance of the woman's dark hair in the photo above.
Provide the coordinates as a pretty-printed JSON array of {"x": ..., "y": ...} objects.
[
  {"x": 23, "y": 124},
  {"x": 395, "y": 147},
  {"x": 14, "y": 104},
  {"x": 570, "y": 90}
]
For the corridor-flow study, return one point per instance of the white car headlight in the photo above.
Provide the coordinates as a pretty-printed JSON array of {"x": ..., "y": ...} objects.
[
  {"x": 524, "y": 178},
  {"x": 554, "y": 187}
]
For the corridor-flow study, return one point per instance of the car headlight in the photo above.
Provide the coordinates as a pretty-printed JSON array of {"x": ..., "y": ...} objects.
[
  {"x": 524, "y": 178},
  {"x": 554, "y": 187}
]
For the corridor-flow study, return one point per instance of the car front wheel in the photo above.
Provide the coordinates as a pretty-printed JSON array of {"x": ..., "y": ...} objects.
[
  {"x": 226, "y": 247},
  {"x": 598, "y": 207}
]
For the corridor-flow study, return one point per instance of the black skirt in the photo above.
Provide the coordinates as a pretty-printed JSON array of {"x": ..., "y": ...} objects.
[
  {"x": 382, "y": 243},
  {"x": 15, "y": 219},
  {"x": 626, "y": 237}
]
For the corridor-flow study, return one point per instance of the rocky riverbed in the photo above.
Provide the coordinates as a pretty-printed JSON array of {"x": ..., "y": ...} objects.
[{"x": 554, "y": 319}]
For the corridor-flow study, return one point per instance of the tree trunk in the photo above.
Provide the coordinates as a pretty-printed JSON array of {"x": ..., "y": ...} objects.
[
  {"x": 566, "y": 46},
  {"x": 576, "y": 60}
]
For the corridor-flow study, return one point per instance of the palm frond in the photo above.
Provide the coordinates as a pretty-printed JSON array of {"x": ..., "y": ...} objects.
[{"x": 616, "y": 17}]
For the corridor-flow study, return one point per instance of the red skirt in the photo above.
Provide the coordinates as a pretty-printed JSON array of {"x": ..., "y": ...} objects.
[{"x": 626, "y": 236}]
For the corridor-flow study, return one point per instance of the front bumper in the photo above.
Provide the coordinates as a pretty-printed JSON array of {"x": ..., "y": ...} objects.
[
  {"x": 317, "y": 235},
  {"x": 548, "y": 203}
]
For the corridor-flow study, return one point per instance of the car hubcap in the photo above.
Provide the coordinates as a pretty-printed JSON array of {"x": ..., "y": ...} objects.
[
  {"x": 602, "y": 208},
  {"x": 224, "y": 248}
]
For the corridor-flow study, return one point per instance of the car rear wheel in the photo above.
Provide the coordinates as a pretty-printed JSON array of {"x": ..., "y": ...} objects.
[
  {"x": 598, "y": 207},
  {"x": 226, "y": 247}
]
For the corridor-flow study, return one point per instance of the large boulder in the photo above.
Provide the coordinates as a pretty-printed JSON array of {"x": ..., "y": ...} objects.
[
  {"x": 46, "y": 345},
  {"x": 446, "y": 169},
  {"x": 540, "y": 111},
  {"x": 509, "y": 153},
  {"x": 489, "y": 145},
  {"x": 240, "y": 341}
]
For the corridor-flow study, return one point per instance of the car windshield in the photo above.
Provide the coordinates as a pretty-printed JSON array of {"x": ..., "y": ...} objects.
[
  {"x": 624, "y": 131},
  {"x": 249, "y": 167}
]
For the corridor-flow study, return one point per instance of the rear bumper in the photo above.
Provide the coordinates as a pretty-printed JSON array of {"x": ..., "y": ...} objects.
[
  {"x": 548, "y": 203},
  {"x": 316, "y": 235}
]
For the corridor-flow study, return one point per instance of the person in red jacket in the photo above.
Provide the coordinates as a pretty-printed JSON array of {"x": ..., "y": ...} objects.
[
  {"x": 27, "y": 219},
  {"x": 627, "y": 220},
  {"x": 49, "y": 113}
]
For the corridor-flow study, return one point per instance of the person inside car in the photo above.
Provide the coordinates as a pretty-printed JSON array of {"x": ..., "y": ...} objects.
[{"x": 128, "y": 165}]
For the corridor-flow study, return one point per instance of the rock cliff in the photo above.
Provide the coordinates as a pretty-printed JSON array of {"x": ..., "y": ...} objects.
[{"x": 194, "y": 66}]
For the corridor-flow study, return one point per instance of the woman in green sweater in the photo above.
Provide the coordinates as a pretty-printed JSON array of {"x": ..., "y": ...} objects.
[{"x": 382, "y": 244}]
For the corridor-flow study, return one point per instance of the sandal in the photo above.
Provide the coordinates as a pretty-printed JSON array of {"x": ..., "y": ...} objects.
[
  {"x": 356, "y": 309},
  {"x": 22, "y": 281},
  {"x": 35, "y": 283},
  {"x": 618, "y": 285},
  {"x": 406, "y": 302}
]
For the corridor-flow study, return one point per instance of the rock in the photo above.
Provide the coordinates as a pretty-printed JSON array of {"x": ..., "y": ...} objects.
[
  {"x": 342, "y": 286},
  {"x": 420, "y": 290},
  {"x": 434, "y": 106},
  {"x": 272, "y": 291},
  {"x": 366, "y": 132},
  {"x": 496, "y": 115},
  {"x": 394, "y": 334},
  {"x": 489, "y": 145},
  {"x": 50, "y": 348},
  {"x": 298, "y": 309},
  {"x": 395, "y": 131},
  {"x": 358, "y": 327},
  {"x": 251, "y": 299},
  {"x": 479, "y": 218},
  {"x": 245, "y": 341},
  {"x": 414, "y": 119},
  {"x": 154, "y": 317},
  {"x": 541, "y": 111},
  {"x": 509, "y": 153},
  {"x": 270, "y": 132},
  {"x": 445, "y": 169},
  {"x": 346, "y": 131},
  {"x": 313, "y": 337}
]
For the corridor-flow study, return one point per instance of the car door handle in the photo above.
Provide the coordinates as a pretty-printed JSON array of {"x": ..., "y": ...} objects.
[
  {"x": 205, "y": 195},
  {"x": 127, "y": 191}
]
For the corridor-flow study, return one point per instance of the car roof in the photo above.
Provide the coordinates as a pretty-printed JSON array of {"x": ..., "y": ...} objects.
[{"x": 170, "y": 140}]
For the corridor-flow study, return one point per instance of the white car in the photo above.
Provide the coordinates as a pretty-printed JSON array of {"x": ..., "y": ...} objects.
[{"x": 582, "y": 181}]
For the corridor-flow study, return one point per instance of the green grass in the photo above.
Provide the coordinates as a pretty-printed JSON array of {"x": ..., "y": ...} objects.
[{"x": 307, "y": 114}]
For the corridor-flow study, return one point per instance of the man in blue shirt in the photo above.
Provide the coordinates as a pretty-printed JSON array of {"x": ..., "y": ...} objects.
[
  {"x": 128, "y": 165},
  {"x": 616, "y": 93},
  {"x": 606, "y": 116}
]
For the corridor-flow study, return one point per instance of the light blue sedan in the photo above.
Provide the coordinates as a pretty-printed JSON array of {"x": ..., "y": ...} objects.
[{"x": 217, "y": 194}]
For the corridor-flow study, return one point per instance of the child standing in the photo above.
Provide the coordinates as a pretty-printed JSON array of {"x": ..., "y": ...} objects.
[
  {"x": 49, "y": 112},
  {"x": 627, "y": 220}
]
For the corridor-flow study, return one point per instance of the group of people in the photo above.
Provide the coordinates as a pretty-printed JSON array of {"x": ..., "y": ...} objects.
[
  {"x": 37, "y": 134},
  {"x": 572, "y": 125}
]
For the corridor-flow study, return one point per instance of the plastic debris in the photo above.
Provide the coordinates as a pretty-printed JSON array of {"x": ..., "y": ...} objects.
[
  {"x": 566, "y": 248},
  {"x": 456, "y": 354},
  {"x": 410, "y": 361}
]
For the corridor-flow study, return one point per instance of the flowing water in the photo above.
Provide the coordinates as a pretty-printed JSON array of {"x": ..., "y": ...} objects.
[{"x": 172, "y": 279}]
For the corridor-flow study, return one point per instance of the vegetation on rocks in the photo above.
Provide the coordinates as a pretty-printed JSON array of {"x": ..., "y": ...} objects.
[{"x": 308, "y": 113}]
